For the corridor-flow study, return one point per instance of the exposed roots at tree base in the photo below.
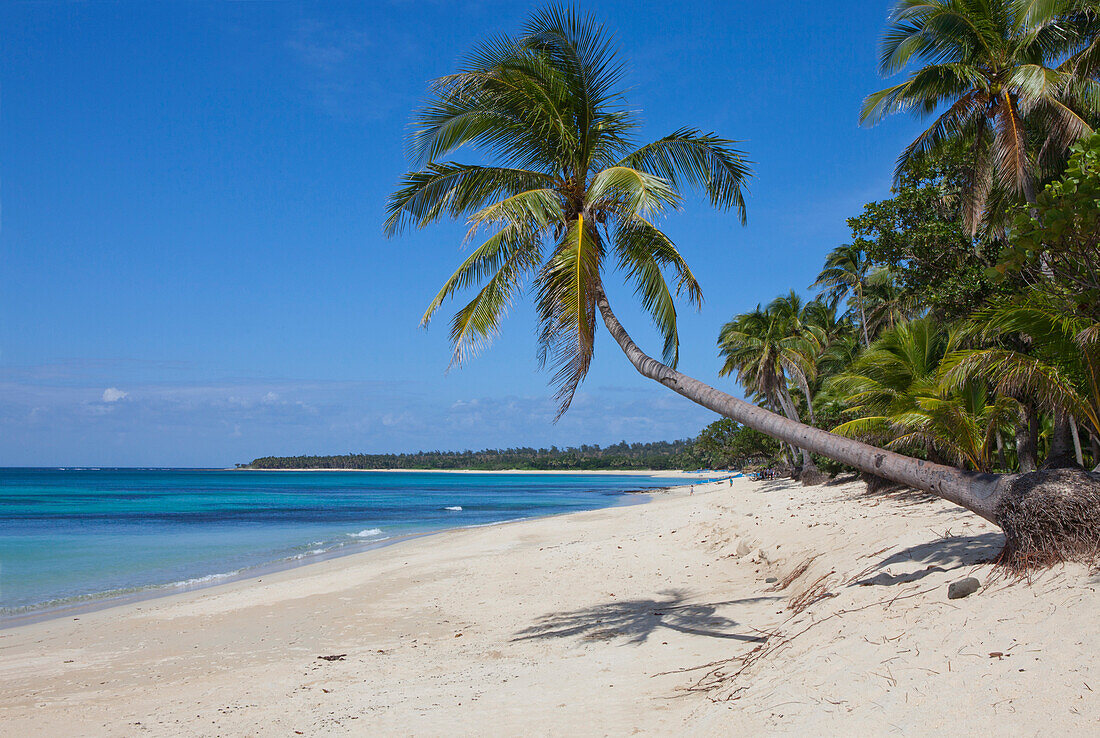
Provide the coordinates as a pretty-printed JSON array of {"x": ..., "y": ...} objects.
[
  {"x": 879, "y": 485},
  {"x": 1050, "y": 516},
  {"x": 813, "y": 477}
]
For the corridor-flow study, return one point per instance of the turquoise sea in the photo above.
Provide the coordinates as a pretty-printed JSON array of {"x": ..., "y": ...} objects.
[{"x": 71, "y": 537}]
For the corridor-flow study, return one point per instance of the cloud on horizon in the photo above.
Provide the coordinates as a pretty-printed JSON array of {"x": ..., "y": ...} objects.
[
  {"x": 113, "y": 394},
  {"x": 220, "y": 423}
]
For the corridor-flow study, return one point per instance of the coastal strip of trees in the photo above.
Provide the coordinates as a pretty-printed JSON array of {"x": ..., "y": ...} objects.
[{"x": 660, "y": 455}]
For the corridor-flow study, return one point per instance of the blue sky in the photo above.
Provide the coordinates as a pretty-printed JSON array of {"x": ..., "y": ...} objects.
[{"x": 192, "y": 264}]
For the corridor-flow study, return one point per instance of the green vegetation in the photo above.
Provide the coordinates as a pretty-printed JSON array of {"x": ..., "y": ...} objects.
[
  {"x": 570, "y": 176},
  {"x": 969, "y": 337},
  {"x": 659, "y": 455},
  {"x": 1010, "y": 76}
]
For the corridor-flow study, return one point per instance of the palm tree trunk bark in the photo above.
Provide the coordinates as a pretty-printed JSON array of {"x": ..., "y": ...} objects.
[
  {"x": 790, "y": 453},
  {"x": 791, "y": 412},
  {"x": 1076, "y": 442},
  {"x": 863, "y": 316},
  {"x": 1027, "y": 438},
  {"x": 805, "y": 387},
  {"x": 1061, "y": 441},
  {"x": 977, "y": 492}
]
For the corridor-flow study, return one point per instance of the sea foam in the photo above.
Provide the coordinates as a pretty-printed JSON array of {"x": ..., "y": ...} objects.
[{"x": 367, "y": 533}]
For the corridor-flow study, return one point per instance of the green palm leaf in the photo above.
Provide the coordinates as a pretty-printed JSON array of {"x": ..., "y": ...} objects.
[{"x": 567, "y": 184}]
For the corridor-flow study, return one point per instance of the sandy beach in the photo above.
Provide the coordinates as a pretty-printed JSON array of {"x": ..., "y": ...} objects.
[{"x": 745, "y": 607}]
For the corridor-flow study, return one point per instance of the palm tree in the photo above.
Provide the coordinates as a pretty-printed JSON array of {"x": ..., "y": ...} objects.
[
  {"x": 845, "y": 273},
  {"x": 1006, "y": 70},
  {"x": 569, "y": 190},
  {"x": 888, "y": 303},
  {"x": 768, "y": 347},
  {"x": 573, "y": 191},
  {"x": 1060, "y": 373},
  {"x": 893, "y": 394}
]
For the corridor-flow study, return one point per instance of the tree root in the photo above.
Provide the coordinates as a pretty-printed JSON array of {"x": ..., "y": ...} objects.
[
  {"x": 1050, "y": 516},
  {"x": 813, "y": 477}
]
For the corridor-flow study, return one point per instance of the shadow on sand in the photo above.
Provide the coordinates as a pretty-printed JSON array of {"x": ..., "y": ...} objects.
[
  {"x": 636, "y": 620},
  {"x": 945, "y": 554}
]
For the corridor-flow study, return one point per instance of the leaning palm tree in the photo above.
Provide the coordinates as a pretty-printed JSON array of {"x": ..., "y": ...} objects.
[
  {"x": 573, "y": 195},
  {"x": 845, "y": 274},
  {"x": 570, "y": 196},
  {"x": 1005, "y": 71}
]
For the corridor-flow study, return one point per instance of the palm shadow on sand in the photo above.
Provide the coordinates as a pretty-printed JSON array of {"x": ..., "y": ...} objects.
[
  {"x": 635, "y": 620},
  {"x": 946, "y": 554}
]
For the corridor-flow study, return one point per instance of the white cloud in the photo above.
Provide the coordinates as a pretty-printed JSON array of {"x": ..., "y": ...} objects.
[{"x": 113, "y": 394}]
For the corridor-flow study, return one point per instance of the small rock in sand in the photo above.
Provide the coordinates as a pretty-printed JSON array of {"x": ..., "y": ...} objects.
[
  {"x": 962, "y": 588},
  {"x": 771, "y": 580}
]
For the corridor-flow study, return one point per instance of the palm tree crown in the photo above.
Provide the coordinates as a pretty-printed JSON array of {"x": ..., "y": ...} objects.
[
  {"x": 845, "y": 274},
  {"x": 570, "y": 189},
  {"x": 1007, "y": 70},
  {"x": 894, "y": 393},
  {"x": 769, "y": 346}
]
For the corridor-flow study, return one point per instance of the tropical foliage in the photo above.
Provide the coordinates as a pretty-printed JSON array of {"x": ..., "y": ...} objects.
[
  {"x": 894, "y": 394},
  {"x": 947, "y": 337},
  {"x": 1016, "y": 79},
  {"x": 969, "y": 325},
  {"x": 571, "y": 194}
]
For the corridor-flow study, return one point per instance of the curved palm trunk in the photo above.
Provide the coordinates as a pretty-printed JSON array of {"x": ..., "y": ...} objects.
[
  {"x": 790, "y": 453},
  {"x": 975, "y": 491},
  {"x": 805, "y": 387},
  {"x": 1076, "y": 442}
]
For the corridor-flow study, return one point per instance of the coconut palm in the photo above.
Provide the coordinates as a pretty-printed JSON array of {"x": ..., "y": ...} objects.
[
  {"x": 893, "y": 394},
  {"x": 888, "y": 303},
  {"x": 1060, "y": 373},
  {"x": 572, "y": 196},
  {"x": 841, "y": 343},
  {"x": 766, "y": 348},
  {"x": 568, "y": 190},
  {"x": 1005, "y": 70},
  {"x": 844, "y": 275}
]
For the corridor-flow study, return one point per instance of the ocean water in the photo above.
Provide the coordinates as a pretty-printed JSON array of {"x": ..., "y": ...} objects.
[{"x": 76, "y": 536}]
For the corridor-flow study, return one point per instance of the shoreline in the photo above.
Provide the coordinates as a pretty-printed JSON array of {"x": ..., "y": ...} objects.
[
  {"x": 100, "y": 601},
  {"x": 751, "y": 607}
]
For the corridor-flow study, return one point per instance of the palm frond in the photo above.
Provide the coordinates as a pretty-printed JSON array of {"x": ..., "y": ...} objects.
[
  {"x": 474, "y": 326},
  {"x": 701, "y": 160},
  {"x": 566, "y": 303},
  {"x": 453, "y": 190},
  {"x": 631, "y": 191}
]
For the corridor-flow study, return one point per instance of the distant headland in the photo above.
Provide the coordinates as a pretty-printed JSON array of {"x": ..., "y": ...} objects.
[{"x": 660, "y": 455}]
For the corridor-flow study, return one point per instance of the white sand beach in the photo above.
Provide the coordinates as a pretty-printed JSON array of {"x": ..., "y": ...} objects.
[{"x": 656, "y": 618}]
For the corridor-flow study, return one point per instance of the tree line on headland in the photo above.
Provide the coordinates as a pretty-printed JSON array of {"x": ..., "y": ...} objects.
[
  {"x": 955, "y": 343},
  {"x": 723, "y": 444},
  {"x": 640, "y": 456}
]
